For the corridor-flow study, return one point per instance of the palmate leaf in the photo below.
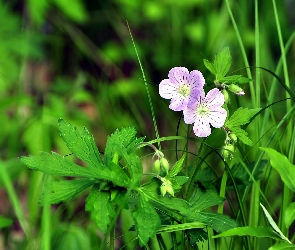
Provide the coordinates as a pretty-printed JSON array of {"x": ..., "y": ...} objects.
[
  {"x": 219, "y": 222},
  {"x": 58, "y": 165},
  {"x": 123, "y": 143},
  {"x": 210, "y": 66},
  {"x": 101, "y": 209},
  {"x": 241, "y": 117},
  {"x": 146, "y": 219},
  {"x": 237, "y": 79},
  {"x": 82, "y": 145},
  {"x": 201, "y": 200},
  {"x": 222, "y": 62},
  {"x": 63, "y": 190}
]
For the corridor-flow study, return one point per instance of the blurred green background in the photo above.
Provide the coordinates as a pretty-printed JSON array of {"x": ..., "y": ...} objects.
[{"x": 74, "y": 59}]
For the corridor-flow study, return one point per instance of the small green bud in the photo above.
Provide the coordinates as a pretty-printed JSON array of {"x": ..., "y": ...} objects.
[
  {"x": 226, "y": 96},
  {"x": 170, "y": 189},
  {"x": 157, "y": 167},
  {"x": 163, "y": 189},
  {"x": 165, "y": 164},
  {"x": 227, "y": 149},
  {"x": 236, "y": 89},
  {"x": 115, "y": 158}
]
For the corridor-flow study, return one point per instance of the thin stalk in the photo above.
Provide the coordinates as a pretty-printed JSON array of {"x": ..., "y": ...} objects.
[{"x": 146, "y": 87}]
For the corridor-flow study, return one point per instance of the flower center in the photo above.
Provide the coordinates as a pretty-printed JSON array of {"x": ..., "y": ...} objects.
[
  {"x": 184, "y": 90},
  {"x": 202, "y": 110}
]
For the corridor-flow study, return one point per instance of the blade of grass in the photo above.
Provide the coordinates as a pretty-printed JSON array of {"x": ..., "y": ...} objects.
[
  {"x": 13, "y": 197},
  {"x": 146, "y": 86}
]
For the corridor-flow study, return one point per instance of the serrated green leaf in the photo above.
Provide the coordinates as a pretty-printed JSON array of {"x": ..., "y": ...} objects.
[
  {"x": 241, "y": 117},
  {"x": 201, "y": 200},
  {"x": 210, "y": 66},
  {"x": 219, "y": 222},
  {"x": 63, "y": 190},
  {"x": 242, "y": 135},
  {"x": 284, "y": 167},
  {"x": 196, "y": 235},
  {"x": 101, "y": 210},
  {"x": 177, "y": 167},
  {"x": 5, "y": 222},
  {"x": 222, "y": 62},
  {"x": 290, "y": 214},
  {"x": 259, "y": 232},
  {"x": 82, "y": 145},
  {"x": 274, "y": 225},
  {"x": 237, "y": 79},
  {"x": 147, "y": 221},
  {"x": 58, "y": 165}
]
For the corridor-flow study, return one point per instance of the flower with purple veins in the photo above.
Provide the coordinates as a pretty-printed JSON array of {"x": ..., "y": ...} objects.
[
  {"x": 182, "y": 87},
  {"x": 205, "y": 111}
]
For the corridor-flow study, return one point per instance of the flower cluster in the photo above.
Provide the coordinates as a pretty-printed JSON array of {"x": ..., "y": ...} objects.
[{"x": 185, "y": 89}]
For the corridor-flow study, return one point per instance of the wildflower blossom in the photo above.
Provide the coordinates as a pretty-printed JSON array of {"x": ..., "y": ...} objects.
[
  {"x": 205, "y": 111},
  {"x": 182, "y": 87}
]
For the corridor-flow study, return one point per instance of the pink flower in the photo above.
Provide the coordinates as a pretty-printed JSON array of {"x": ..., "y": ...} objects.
[
  {"x": 205, "y": 111},
  {"x": 182, "y": 87}
]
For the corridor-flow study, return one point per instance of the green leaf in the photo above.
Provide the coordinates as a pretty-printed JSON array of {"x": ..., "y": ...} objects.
[
  {"x": 147, "y": 221},
  {"x": 201, "y": 200},
  {"x": 241, "y": 117},
  {"x": 196, "y": 235},
  {"x": 100, "y": 207},
  {"x": 242, "y": 135},
  {"x": 58, "y": 165},
  {"x": 177, "y": 167},
  {"x": 259, "y": 232},
  {"x": 282, "y": 246},
  {"x": 82, "y": 145},
  {"x": 63, "y": 190},
  {"x": 290, "y": 214},
  {"x": 210, "y": 66},
  {"x": 237, "y": 79},
  {"x": 5, "y": 222},
  {"x": 219, "y": 222},
  {"x": 222, "y": 62},
  {"x": 274, "y": 225},
  {"x": 284, "y": 167},
  {"x": 123, "y": 143}
]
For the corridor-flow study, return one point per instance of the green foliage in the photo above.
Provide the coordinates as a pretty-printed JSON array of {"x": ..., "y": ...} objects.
[
  {"x": 241, "y": 117},
  {"x": 290, "y": 214},
  {"x": 147, "y": 221},
  {"x": 284, "y": 167},
  {"x": 5, "y": 222}
]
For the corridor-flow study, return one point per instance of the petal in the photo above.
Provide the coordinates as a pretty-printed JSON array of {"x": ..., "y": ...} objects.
[
  {"x": 196, "y": 96},
  {"x": 178, "y": 75},
  {"x": 190, "y": 114},
  {"x": 178, "y": 103},
  {"x": 196, "y": 79},
  {"x": 214, "y": 98},
  {"x": 217, "y": 117},
  {"x": 167, "y": 89},
  {"x": 202, "y": 127}
]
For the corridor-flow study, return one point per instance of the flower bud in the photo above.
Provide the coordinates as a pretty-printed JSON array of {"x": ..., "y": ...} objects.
[
  {"x": 165, "y": 164},
  {"x": 170, "y": 189},
  {"x": 226, "y": 96},
  {"x": 157, "y": 167},
  {"x": 236, "y": 89},
  {"x": 227, "y": 151},
  {"x": 163, "y": 189}
]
